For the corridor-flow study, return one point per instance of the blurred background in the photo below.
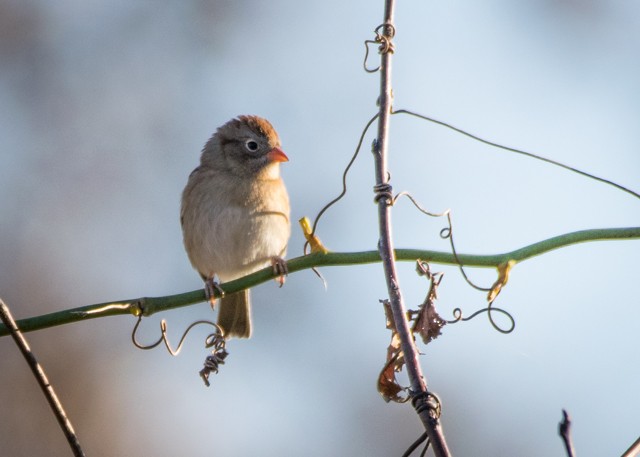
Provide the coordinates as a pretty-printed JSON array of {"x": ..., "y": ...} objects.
[{"x": 105, "y": 107}]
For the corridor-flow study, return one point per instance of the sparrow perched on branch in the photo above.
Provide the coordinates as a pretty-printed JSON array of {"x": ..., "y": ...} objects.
[{"x": 235, "y": 213}]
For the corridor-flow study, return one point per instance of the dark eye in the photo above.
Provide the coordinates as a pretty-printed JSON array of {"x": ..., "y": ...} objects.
[{"x": 251, "y": 145}]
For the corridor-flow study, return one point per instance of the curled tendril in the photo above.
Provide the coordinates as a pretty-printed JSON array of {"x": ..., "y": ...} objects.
[
  {"x": 218, "y": 334},
  {"x": 366, "y": 57},
  {"x": 383, "y": 191},
  {"x": 384, "y": 35},
  {"x": 446, "y": 234},
  {"x": 213, "y": 361},
  {"x": 404, "y": 193},
  {"x": 458, "y": 317},
  {"x": 343, "y": 192},
  {"x": 214, "y": 340},
  {"x": 430, "y": 402}
]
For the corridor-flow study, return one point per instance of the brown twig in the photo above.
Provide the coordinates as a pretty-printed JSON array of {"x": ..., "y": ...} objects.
[
  {"x": 634, "y": 450},
  {"x": 384, "y": 199},
  {"x": 41, "y": 377},
  {"x": 564, "y": 429}
]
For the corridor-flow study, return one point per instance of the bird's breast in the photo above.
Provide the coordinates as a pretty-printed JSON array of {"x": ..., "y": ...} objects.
[{"x": 235, "y": 232}]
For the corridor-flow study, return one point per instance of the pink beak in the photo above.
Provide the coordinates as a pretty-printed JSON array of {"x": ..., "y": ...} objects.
[{"x": 277, "y": 155}]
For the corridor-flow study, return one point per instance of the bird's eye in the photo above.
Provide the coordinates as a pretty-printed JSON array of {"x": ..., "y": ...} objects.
[{"x": 251, "y": 145}]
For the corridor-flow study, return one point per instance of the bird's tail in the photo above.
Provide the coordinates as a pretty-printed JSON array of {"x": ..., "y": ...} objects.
[{"x": 235, "y": 314}]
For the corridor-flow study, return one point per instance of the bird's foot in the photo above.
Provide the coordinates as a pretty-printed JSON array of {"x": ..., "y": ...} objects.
[
  {"x": 210, "y": 289},
  {"x": 280, "y": 269}
]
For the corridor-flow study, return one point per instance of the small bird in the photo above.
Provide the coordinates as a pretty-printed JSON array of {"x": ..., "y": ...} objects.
[{"x": 235, "y": 214}]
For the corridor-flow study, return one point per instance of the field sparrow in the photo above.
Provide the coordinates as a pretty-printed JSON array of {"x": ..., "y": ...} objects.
[{"x": 235, "y": 213}]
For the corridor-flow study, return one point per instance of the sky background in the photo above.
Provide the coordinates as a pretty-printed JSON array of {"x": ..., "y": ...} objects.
[{"x": 105, "y": 108}]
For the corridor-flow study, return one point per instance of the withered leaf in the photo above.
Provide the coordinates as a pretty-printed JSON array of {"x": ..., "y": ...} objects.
[
  {"x": 426, "y": 321},
  {"x": 388, "y": 385}
]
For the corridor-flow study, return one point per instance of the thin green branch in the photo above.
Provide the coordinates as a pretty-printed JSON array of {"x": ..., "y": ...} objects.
[{"x": 151, "y": 305}]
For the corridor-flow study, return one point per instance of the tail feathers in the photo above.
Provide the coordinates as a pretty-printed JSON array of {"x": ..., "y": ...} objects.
[{"x": 235, "y": 315}]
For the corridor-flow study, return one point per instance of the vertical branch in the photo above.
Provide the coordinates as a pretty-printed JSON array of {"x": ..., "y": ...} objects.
[
  {"x": 41, "y": 377},
  {"x": 564, "y": 429},
  {"x": 421, "y": 399}
]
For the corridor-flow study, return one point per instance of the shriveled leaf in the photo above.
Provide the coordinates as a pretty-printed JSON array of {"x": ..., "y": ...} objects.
[
  {"x": 388, "y": 385},
  {"x": 426, "y": 321}
]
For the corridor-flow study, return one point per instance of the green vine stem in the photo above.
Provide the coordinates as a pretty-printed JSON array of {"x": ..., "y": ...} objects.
[{"x": 152, "y": 305}]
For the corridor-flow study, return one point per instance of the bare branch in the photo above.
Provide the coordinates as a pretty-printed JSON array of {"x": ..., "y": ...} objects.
[
  {"x": 564, "y": 429},
  {"x": 384, "y": 197},
  {"x": 41, "y": 377},
  {"x": 634, "y": 450}
]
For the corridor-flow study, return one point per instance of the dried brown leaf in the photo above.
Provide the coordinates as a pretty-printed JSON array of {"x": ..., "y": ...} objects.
[
  {"x": 388, "y": 385},
  {"x": 426, "y": 321}
]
